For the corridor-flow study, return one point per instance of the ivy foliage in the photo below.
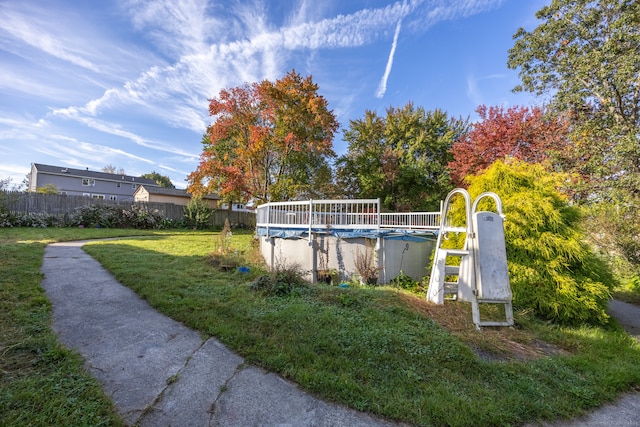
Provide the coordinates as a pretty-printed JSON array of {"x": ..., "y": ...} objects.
[{"x": 552, "y": 271}]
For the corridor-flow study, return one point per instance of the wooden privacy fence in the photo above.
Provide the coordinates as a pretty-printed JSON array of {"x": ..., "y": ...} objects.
[
  {"x": 61, "y": 206},
  {"x": 237, "y": 219}
]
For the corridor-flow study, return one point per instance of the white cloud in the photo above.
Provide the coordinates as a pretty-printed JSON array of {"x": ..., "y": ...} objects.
[
  {"x": 137, "y": 139},
  {"x": 472, "y": 90},
  {"x": 11, "y": 169},
  {"x": 202, "y": 70},
  {"x": 162, "y": 60},
  {"x": 15, "y": 122},
  {"x": 15, "y": 173},
  {"x": 307, "y": 10},
  {"x": 176, "y": 27},
  {"x": 16, "y": 82},
  {"x": 63, "y": 54},
  {"x": 44, "y": 135},
  {"x": 169, "y": 168},
  {"x": 247, "y": 49},
  {"x": 357, "y": 29},
  {"x": 34, "y": 32},
  {"x": 14, "y": 128},
  {"x": 92, "y": 151},
  {"x": 70, "y": 151},
  {"x": 446, "y": 10},
  {"x": 474, "y": 93},
  {"x": 382, "y": 87}
]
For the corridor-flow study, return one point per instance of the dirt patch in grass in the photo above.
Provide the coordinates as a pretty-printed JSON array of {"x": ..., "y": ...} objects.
[{"x": 490, "y": 343}]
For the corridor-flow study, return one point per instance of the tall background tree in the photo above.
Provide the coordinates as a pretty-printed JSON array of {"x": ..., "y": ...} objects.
[
  {"x": 161, "y": 180},
  {"x": 269, "y": 142},
  {"x": 526, "y": 134},
  {"x": 113, "y": 169},
  {"x": 6, "y": 184},
  {"x": 585, "y": 56},
  {"x": 400, "y": 158}
]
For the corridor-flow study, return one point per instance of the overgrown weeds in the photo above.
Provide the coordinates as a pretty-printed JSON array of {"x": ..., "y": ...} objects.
[
  {"x": 406, "y": 282},
  {"x": 366, "y": 264},
  {"x": 228, "y": 256},
  {"x": 93, "y": 216},
  {"x": 283, "y": 280}
]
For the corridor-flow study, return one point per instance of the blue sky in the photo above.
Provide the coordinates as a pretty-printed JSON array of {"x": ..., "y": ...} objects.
[{"x": 126, "y": 82}]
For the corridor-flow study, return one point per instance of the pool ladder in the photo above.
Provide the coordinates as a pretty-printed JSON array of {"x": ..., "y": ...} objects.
[{"x": 473, "y": 265}]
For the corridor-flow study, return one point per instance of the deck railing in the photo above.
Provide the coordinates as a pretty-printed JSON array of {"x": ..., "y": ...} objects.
[
  {"x": 411, "y": 220},
  {"x": 357, "y": 213}
]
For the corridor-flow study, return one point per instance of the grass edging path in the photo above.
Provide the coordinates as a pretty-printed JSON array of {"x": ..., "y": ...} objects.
[
  {"x": 42, "y": 383},
  {"x": 378, "y": 349}
]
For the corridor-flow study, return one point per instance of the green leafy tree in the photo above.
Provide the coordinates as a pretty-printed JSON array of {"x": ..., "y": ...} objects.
[
  {"x": 615, "y": 229},
  {"x": 400, "y": 158},
  {"x": 4, "y": 196},
  {"x": 161, "y": 180},
  {"x": 5, "y": 184},
  {"x": 48, "y": 189},
  {"x": 552, "y": 270},
  {"x": 267, "y": 141},
  {"x": 24, "y": 185},
  {"x": 586, "y": 56}
]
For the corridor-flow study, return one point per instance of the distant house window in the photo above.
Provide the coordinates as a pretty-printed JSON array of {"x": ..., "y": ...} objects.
[
  {"x": 134, "y": 186},
  {"x": 113, "y": 197},
  {"x": 118, "y": 184},
  {"x": 88, "y": 182},
  {"x": 98, "y": 196},
  {"x": 63, "y": 193},
  {"x": 86, "y": 194}
]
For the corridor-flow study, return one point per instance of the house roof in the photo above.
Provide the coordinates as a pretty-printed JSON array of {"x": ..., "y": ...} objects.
[
  {"x": 86, "y": 173},
  {"x": 174, "y": 192}
]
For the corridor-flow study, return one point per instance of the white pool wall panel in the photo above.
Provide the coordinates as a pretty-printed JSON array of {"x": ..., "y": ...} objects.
[{"x": 412, "y": 257}]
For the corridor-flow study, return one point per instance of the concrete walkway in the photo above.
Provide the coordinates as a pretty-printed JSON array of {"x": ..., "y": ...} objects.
[{"x": 160, "y": 373}]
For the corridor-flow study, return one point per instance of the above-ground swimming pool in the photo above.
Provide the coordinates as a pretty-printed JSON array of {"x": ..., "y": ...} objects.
[{"x": 339, "y": 236}]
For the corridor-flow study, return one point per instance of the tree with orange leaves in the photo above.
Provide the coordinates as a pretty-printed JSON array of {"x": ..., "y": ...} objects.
[{"x": 269, "y": 142}]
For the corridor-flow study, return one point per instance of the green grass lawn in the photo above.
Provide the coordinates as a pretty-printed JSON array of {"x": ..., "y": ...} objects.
[
  {"x": 379, "y": 350},
  {"x": 41, "y": 383}
]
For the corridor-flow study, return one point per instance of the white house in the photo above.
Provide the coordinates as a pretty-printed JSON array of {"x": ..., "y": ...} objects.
[{"x": 170, "y": 195}]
